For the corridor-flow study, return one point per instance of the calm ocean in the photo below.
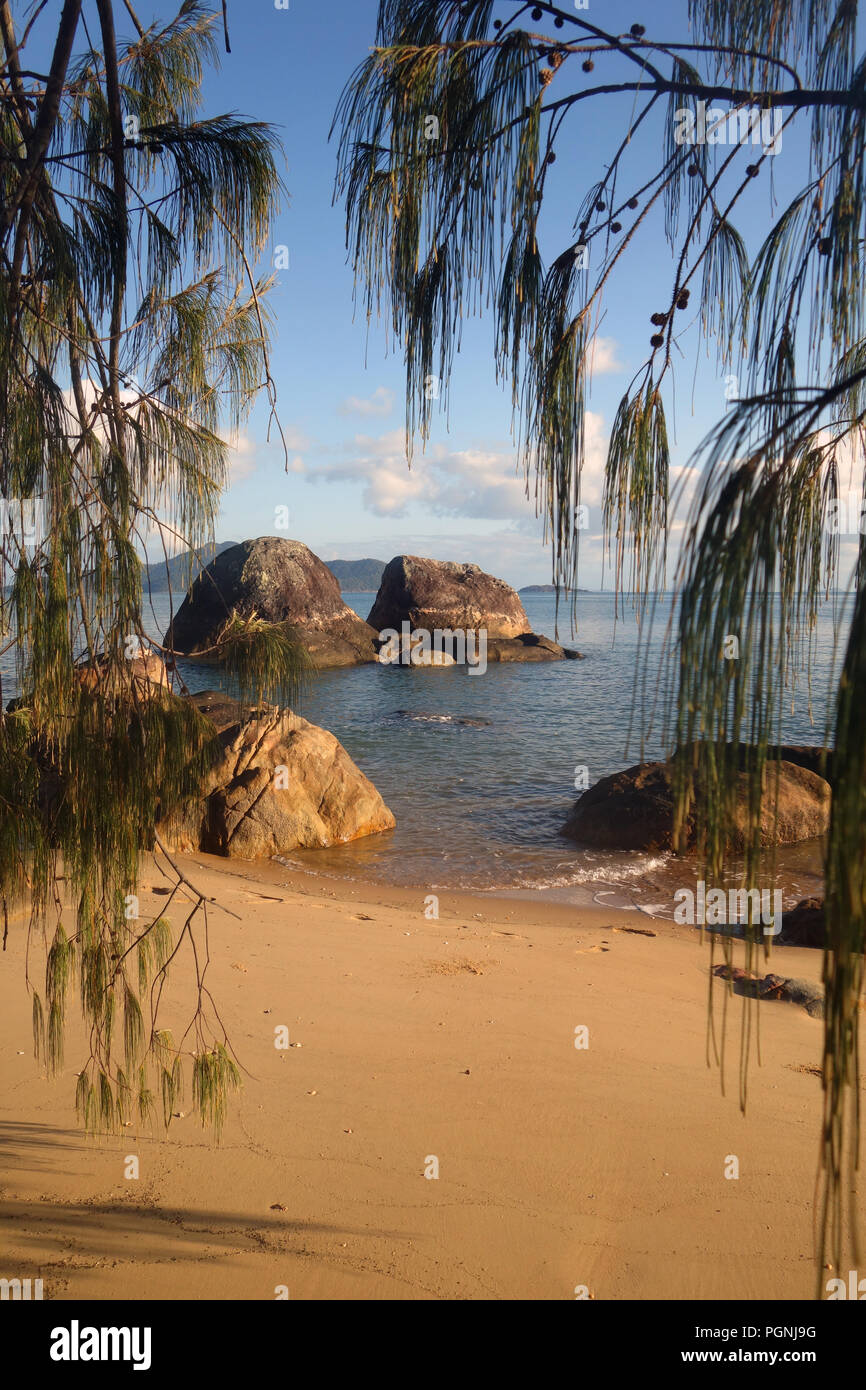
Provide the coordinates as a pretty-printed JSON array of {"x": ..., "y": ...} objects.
[{"x": 479, "y": 769}]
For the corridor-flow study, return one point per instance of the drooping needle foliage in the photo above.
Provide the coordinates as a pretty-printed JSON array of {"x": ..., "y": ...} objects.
[
  {"x": 448, "y": 134},
  {"x": 133, "y": 342}
]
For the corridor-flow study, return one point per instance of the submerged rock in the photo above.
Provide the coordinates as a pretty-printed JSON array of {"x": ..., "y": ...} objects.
[
  {"x": 281, "y": 582},
  {"x": 279, "y": 783},
  {"x": 634, "y": 809}
]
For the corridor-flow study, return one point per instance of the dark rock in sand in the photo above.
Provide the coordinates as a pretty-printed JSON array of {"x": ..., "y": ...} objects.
[
  {"x": 804, "y": 924},
  {"x": 278, "y": 783},
  {"x": 634, "y": 809},
  {"x": 442, "y": 595},
  {"x": 278, "y": 581},
  {"x": 810, "y": 996}
]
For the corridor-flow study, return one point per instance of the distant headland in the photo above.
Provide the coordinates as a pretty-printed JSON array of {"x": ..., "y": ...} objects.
[{"x": 550, "y": 589}]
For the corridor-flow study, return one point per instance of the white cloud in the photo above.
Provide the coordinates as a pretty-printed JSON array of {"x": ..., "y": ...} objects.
[
  {"x": 478, "y": 483},
  {"x": 602, "y": 356},
  {"x": 241, "y": 458},
  {"x": 380, "y": 403}
]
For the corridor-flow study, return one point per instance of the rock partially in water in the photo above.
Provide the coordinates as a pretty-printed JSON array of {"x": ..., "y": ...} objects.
[
  {"x": 278, "y": 581},
  {"x": 440, "y": 596},
  {"x": 279, "y": 783},
  {"x": 530, "y": 646},
  {"x": 402, "y": 651},
  {"x": 634, "y": 809}
]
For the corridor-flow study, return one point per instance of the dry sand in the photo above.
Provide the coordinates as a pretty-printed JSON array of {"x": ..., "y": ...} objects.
[{"x": 558, "y": 1167}]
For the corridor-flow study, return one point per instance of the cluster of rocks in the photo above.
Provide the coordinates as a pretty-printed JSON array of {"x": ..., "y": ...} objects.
[
  {"x": 282, "y": 582},
  {"x": 281, "y": 783}
]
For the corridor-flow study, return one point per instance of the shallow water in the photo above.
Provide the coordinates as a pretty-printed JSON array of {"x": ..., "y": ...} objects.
[{"x": 479, "y": 770}]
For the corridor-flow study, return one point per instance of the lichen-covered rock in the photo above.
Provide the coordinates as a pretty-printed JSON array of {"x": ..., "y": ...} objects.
[
  {"x": 634, "y": 809},
  {"x": 278, "y": 581},
  {"x": 279, "y": 783}
]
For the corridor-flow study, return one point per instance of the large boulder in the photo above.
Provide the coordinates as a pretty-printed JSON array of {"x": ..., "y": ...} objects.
[
  {"x": 278, "y": 581},
  {"x": 278, "y": 784},
  {"x": 443, "y": 596},
  {"x": 634, "y": 809},
  {"x": 817, "y": 759}
]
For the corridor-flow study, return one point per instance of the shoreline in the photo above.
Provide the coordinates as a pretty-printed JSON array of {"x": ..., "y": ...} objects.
[{"x": 559, "y": 1166}]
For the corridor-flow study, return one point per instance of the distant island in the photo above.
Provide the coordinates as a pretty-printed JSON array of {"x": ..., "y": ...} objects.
[
  {"x": 358, "y": 576},
  {"x": 550, "y": 589},
  {"x": 353, "y": 576}
]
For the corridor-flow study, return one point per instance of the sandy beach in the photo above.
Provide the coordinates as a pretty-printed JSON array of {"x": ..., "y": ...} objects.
[{"x": 559, "y": 1168}]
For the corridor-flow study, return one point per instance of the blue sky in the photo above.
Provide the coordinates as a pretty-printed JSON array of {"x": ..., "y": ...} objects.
[{"x": 341, "y": 397}]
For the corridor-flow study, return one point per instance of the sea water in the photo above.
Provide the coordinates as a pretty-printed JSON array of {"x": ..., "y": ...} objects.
[{"x": 480, "y": 772}]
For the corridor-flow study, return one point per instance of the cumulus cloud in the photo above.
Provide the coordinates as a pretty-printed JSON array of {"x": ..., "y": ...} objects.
[
  {"x": 380, "y": 403},
  {"x": 241, "y": 458},
  {"x": 477, "y": 483},
  {"x": 602, "y": 356}
]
